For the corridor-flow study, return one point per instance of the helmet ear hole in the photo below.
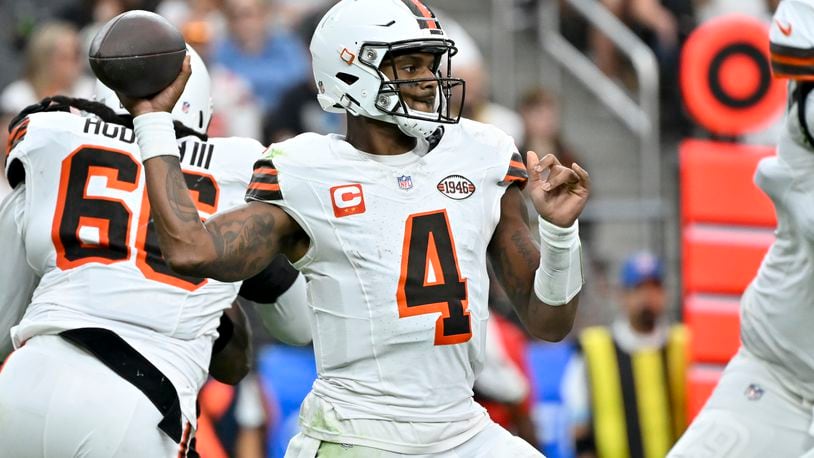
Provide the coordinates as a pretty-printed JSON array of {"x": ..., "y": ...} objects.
[{"x": 347, "y": 78}]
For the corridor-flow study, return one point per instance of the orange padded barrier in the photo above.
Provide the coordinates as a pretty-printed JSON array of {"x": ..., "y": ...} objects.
[
  {"x": 722, "y": 260},
  {"x": 717, "y": 187},
  {"x": 714, "y": 325},
  {"x": 701, "y": 381}
]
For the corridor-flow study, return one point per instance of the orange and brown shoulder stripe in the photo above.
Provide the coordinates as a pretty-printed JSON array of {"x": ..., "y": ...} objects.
[
  {"x": 17, "y": 135},
  {"x": 517, "y": 171},
  {"x": 264, "y": 184}
]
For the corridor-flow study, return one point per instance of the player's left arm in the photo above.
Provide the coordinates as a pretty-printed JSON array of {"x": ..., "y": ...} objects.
[
  {"x": 280, "y": 298},
  {"x": 17, "y": 279},
  {"x": 543, "y": 282},
  {"x": 232, "y": 351}
]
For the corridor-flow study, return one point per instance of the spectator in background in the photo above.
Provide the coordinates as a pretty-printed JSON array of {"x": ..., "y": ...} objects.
[
  {"x": 650, "y": 15},
  {"x": 469, "y": 65},
  {"x": 236, "y": 110},
  {"x": 53, "y": 65},
  {"x": 299, "y": 110},
  {"x": 625, "y": 392},
  {"x": 201, "y": 18},
  {"x": 88, "y": 16},
  {"x": 540, "y": 116},
  {"x": 292, "y": 12},
  {"x": 271, "y": 60},
  {"x": 541, "y": 125},
  {"x": 664, "y": 25},
  {"x": 86, "y": 12}
]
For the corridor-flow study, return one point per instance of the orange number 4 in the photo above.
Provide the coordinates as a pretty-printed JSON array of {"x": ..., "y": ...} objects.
[{"x": 430, "y": 280}]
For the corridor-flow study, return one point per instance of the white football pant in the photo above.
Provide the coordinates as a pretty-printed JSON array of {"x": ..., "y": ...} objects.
[
  {"x": 57, "y": 400},
  {"x": 492, "y": 442},
  {"x": 750, "y": 414}
]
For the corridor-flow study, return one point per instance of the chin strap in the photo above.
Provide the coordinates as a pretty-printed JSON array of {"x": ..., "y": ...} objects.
[
  {"x": 417, "y": 128},
  {"x": 802, "y": 91},
  {"x": 435, "y": 138}
]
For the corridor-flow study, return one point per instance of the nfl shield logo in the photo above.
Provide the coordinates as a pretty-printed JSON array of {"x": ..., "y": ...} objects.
[
  {"x": 405, "y": 182},
  {"x": 185, "y": 107}
]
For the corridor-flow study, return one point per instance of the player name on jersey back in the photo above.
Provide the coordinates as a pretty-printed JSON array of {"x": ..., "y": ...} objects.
[{"x": 96, "y": 126}]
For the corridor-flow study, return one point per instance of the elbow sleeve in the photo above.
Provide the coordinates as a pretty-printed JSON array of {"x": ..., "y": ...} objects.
[
  {"x": 271, "y": 282},
  {"x": 288, "y": 319}
]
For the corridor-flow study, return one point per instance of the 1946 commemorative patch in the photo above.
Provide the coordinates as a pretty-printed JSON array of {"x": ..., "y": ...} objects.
[{"x": 456, "y": 187}]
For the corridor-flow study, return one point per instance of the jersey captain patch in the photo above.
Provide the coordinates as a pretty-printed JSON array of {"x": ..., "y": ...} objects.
[{"x": 347, "y": 200}]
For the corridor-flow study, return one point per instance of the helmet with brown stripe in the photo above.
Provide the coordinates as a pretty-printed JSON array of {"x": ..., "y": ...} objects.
[
  {"x": 356, "y": 38},
  {"x": 791, "y": 44},
  {"x": 791, "y": 38}
]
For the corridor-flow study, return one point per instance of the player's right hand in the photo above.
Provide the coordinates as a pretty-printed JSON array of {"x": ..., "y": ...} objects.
[{"x": 164, "y": 100}]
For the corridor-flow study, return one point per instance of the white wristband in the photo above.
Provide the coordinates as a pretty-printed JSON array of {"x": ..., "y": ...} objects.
[
  {"x": 155, "y": 135},
  {"x": 559, "y": 277}
]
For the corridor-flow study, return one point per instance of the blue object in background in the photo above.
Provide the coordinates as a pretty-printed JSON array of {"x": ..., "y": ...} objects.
[
  {"x": 286, "y": 375},
  {"x": 547, "y": 362},
  {"x": 640, "y": 268},
  {"x": 282, "y": 63}
]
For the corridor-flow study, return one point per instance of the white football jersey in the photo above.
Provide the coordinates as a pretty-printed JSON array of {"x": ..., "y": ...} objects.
[
  {"x": 87, "y": 233},
  {"x": 396, "y": 268},
  {"x": 777, "y": 309}
]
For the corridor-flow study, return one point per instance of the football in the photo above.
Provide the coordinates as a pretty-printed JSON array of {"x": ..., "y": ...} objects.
[{"x": 137, "y": 53}]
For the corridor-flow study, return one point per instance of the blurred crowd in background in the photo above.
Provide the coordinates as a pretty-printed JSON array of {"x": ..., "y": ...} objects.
[{"x": 257, "y": 55}]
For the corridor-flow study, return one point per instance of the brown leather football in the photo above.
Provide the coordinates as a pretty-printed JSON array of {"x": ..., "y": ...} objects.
[{"x": 137, "y": 53}]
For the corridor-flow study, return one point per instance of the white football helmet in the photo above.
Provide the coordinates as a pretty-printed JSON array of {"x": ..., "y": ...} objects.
[
  {"x": 194, "y": 107},
  {"x": 349, "y": 45}
]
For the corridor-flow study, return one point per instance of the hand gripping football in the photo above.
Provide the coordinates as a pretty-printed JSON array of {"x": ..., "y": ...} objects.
[{"x": 137, "y": 53}]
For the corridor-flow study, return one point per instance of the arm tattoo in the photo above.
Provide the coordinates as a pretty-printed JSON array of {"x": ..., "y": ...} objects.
[
  {"x": 175, "y": 187},
  {"x": 518, "y": 260},
  {"x": 242, "y": 245},
  {"x": 515, "y": 255},
  {"x": 515, "y": 259},
  {"x": 526, "y": 249}
]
